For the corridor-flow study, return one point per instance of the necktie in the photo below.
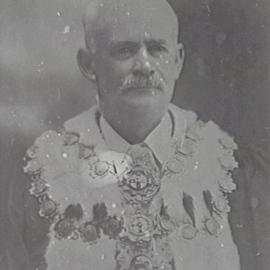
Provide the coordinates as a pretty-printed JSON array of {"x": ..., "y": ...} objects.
[
  {"x": 143, "y": 156},
  {"x": 145, "y": 235}
]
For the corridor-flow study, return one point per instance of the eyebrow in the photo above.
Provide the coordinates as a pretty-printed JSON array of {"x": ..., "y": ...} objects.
[
  {"x": 134, "y": 43},
  {"x": 156, "y": 41},
  {"x": 123, "y": 43}
]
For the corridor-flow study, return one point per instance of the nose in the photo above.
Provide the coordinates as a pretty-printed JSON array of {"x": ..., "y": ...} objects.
[{"x": 142, "y": 64}]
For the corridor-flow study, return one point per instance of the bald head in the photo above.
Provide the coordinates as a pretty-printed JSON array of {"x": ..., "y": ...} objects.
[{"x": 102, "y": 15}]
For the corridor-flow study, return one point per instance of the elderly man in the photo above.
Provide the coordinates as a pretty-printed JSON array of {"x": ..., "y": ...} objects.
[{"x": 135, "y": 182}]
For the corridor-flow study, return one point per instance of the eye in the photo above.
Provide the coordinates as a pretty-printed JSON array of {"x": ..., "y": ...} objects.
[
  {"x": 123, "y": 52},
  {"x": 156, "y": 49}
]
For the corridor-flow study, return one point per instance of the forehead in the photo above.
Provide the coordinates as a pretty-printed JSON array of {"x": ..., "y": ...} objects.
[
  {"x": 132, "y": 20},
  {"x": 132, "y": 26}
]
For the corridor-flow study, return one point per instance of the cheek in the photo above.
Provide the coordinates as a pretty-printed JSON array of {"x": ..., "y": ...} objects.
[
  {"x": 113, "y": 70},
  {"x": 111, "y": 75},
  {"x": 167, "y": 68}
]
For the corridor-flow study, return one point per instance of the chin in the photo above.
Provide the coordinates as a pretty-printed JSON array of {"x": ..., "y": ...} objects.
[
  {"x": 154, "y": 99},
  {"x": 144, "y": 101},
  {"x": 146, "y": 105},
  {"x": 143, "y": 96}
]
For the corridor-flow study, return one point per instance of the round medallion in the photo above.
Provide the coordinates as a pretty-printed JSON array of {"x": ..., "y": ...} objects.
[
  {"x": 189, "y": 232},
  {"x": 176, "y": 166},
  {"x": 139, "y": 185},
  {"x": 48, "y": 208},
  {"x": 140, "y": 225},
  {"x": 184, "y": 149},
  {"x": 139, "y": 180},
  {"x": 64, "y": 228},
  {"x": 141, "y": 262},
  {"x": 38, "y": 186},
  {"x": 112, "y": 227},
  {"x": 212, "y": 227},
  {"x": 100, "y": 168},
  {"x": 88, "y": 232},
  {"x": 221, "y": 205}
]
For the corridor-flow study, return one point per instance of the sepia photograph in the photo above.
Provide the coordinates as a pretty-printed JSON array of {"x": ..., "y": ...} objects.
[{"x": 134, "y": 135}]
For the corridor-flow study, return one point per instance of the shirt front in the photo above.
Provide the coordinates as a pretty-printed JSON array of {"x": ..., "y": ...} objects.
[{"x": 158, "y": 140}]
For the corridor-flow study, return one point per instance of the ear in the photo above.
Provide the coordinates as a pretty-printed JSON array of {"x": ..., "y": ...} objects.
[
  {"x": 86, "y": 64},
  {"x": 179, "y": 59}
]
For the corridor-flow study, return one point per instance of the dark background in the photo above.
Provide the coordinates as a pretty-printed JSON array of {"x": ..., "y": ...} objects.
[{"x": 226, "y": 78}]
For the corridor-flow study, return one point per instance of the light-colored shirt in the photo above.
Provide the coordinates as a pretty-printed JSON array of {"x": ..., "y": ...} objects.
[{"x": 158, "y": 140}]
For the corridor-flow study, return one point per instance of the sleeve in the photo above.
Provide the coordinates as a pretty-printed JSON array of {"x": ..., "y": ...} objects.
[
  {"x": 35, "y": 234},
  {"x": 13, "y": 253},
  {"x": 21, "y": 233}
]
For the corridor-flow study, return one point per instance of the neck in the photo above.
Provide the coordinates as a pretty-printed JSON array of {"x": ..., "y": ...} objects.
[{"x": 133, "y": 126}]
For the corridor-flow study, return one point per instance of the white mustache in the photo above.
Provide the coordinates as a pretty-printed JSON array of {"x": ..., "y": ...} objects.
[{"x": 143, "y": 82}]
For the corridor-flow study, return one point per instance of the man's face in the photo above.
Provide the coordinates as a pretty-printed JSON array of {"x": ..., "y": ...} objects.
[{"x": 136, "y": 60}]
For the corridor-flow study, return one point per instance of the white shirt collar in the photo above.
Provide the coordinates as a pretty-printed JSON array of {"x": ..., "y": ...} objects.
[{"x": 158, "y": 140}]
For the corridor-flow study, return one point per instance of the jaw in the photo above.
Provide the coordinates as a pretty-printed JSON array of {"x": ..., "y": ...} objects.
[
  {"x": 144, "y": 109},
  {"x": 136, "y": 102},
  {"x": 134, "y": 123}
]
